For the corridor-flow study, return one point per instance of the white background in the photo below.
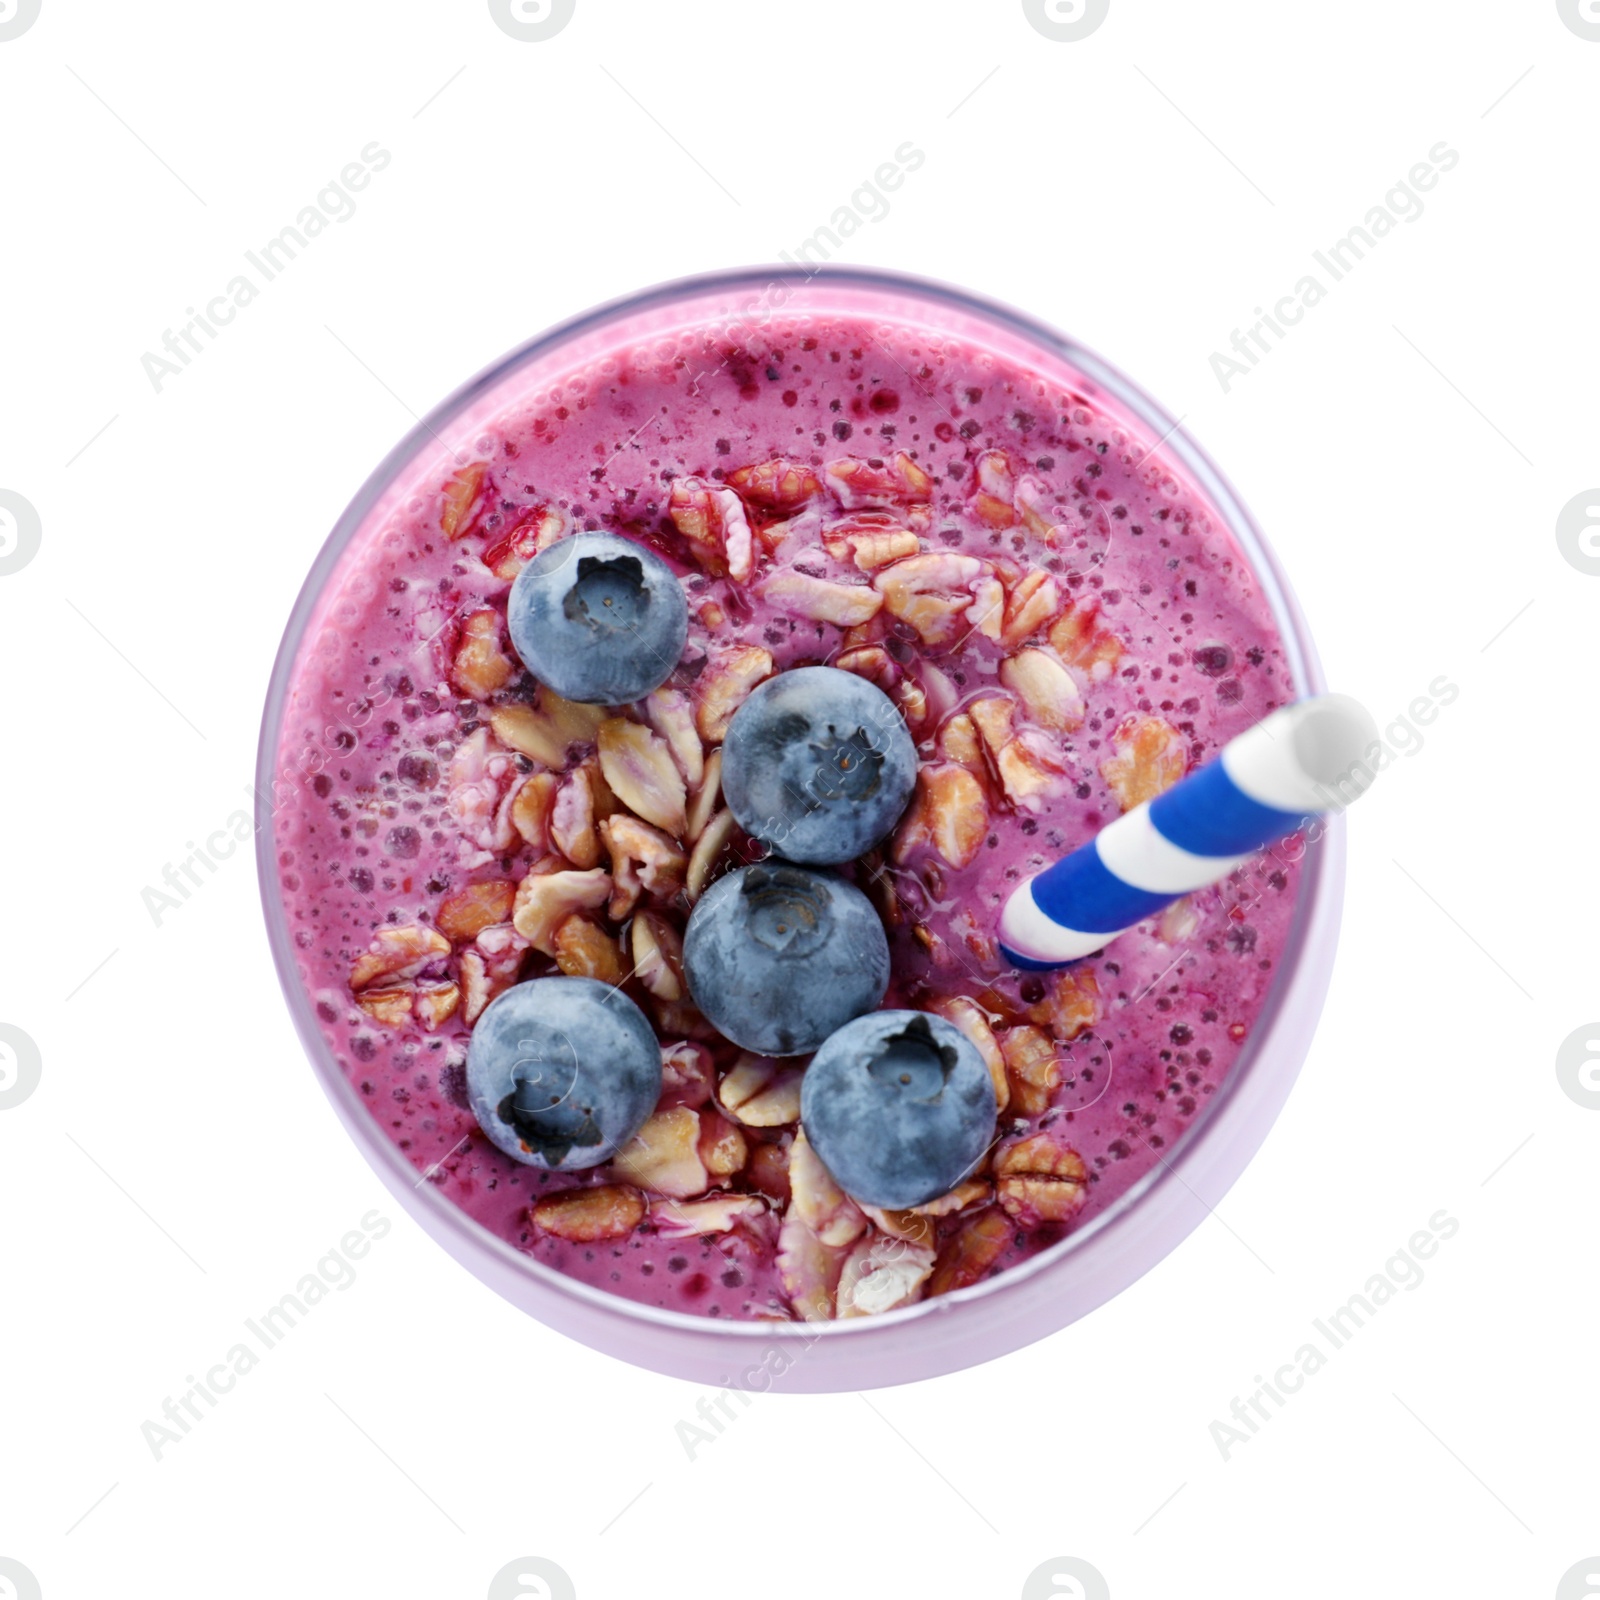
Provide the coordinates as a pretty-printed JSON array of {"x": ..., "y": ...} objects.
[{"x": 1407, "y": 450}]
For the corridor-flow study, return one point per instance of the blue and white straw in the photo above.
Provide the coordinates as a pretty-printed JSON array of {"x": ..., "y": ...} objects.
[{"x": 1302, "y": 760}]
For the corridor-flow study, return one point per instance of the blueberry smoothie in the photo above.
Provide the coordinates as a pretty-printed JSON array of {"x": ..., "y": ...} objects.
[{"x": 656, "y": 764}]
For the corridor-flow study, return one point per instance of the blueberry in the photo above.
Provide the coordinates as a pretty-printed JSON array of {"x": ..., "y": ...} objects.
[
  {"x": 561, "y": 1072},
  {"x": 598, "y": 618},
  {"x": 818, "y": 764},
  {"x": 899, "y": 1107},
  {"x": 778, "y": 956}
]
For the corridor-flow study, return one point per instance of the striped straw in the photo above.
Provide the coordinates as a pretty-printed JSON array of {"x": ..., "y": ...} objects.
[{"x": 1302, "y": 760}]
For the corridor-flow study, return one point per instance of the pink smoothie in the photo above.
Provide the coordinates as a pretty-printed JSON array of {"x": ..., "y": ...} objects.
[{"x": 1063, "y": 620}]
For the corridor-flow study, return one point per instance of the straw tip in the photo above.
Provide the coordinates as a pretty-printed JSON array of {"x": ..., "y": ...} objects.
[
  {"x": 1028, "y": 963},
  {"x": 1332, "y": 735}
]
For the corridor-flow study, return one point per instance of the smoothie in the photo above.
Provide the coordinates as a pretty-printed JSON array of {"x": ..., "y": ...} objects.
[{"x": 1058, "y": 616}]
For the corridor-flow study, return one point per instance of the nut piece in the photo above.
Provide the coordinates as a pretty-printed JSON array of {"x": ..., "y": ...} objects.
[
  {"x": 1083, "y": 641},
  {"x": 777, "y": 485},
  {"x": 397, "y": 953},
  {"x": 690, "y": 1219},
  {"x": 687, "y": 1076},
  {"x": 1072, "y": 1005},
  {"x": 986, "y": 614},
  {"x": 1033, "y": 1065},
  {"x": 1029, "y": 606},
  {"x": 958, "y": 742},
  {"x": 1150, "y": 757},
  {"x": 1040, "y": 1179},
  {"x": 658, "y": 956},
  {"x": 1043, "y": 514},
  {"x": 712, "y": 519},
  {"x": 768, "y": 1170},
  {"x": 1031, "y": 770},
  {"x": 973, "y": 1022},
  {"x": 969, "y": 1192},
  {"x": 708, "y": 848},
  {"x": 389, "y": 1006},
  {"x": 761, "y": 1092},
  {"x": 520, "y": 543},
  {"x": 872, "y": 481},
  {"x": 993, "y": 716},
  {"x": 670, "y": 713},
  {"x": 995, "y": 475},
  {"x": 488, "y": 968},
  {"x": 481, "y": 666},
  {"x": 482, "y": 788},
  {"x": 723, "y": 1147},
  {"x": 724, "y": 685},
  {"x": 870, "y": 551},
  {"x": 703, "y": 807},
  {"x": 643, "y": 860},
  {"x": 531, "y": 806},
  {"x": 436, "y": 1003},
  {"x": 642, "y": 774},
  {"x": 932, "y": 593},
  {"x": 869, "y": 661},
  {"x": 808, "y": 1269},
  {"x": 817, "y": 1200},
  {"x": 545, "y": 732},
  {"x": 468, "y": 911},
  {"x": 546, "y": 899},
  {"x": 663, "y": 1156},
  {"x": 1048, "y": 692},
  {"x": 679, "y": 1019},
  {"x": 911, "y": 1227},
  {"x": 871, "y": 539},
  {"x": 992, "y": 511},
  {"x": 571, "y": 822},
  {"x": 970, "y": 1252},
  {"x": 948, "y": 811},
  {"x": 995, "y": 485},
  {"x": 801, "y": 595},
  {"x": 585, "y": 950},
  {"x": 1178, "y": 922},
  {"x": 586, "y": 1216},
  {"x": 462, "y": 497},
  {"x": 881, "y": 1274},
  {"x": 912, "y": 700}
]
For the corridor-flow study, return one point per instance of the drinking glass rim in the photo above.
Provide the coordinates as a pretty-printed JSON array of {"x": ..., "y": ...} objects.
[{"x": 1319, "y": 863}]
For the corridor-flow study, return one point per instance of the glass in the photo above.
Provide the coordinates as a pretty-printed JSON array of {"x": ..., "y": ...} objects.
[{"x": 1058, "y": 1285}]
